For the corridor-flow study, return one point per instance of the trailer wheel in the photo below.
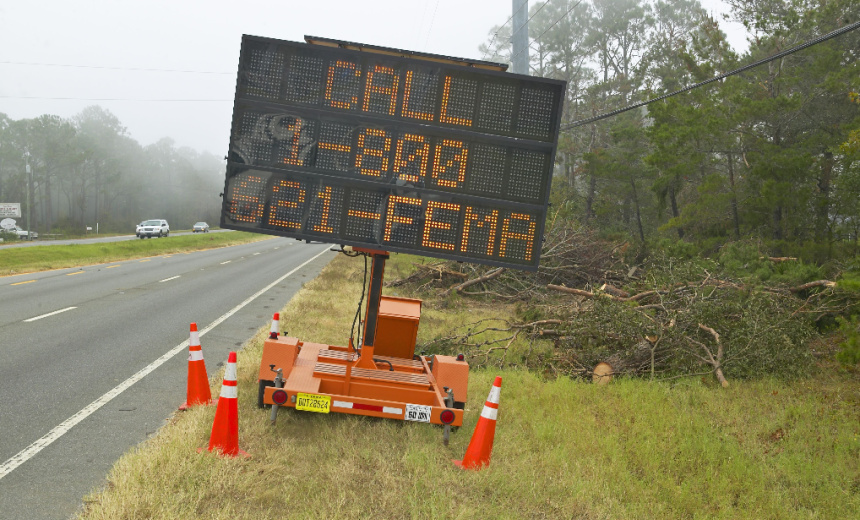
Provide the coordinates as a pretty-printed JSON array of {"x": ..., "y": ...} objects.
[{"x": 262, "y": 391}]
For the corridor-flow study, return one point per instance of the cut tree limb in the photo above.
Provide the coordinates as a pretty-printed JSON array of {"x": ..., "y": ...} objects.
[
  {"x": 817, "y": 283},
  {"x": 715, "y": 361},
  {"x": 468, "y": 283}
]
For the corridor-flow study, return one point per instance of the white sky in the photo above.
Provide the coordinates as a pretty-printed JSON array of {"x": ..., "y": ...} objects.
[{"x": 59, "y": 56}]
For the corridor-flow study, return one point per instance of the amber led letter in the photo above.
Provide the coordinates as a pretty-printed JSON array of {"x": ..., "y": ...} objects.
[
  {"x": 473, "y": 218},
  {"x": 528, "y": 236},
  {"x": 392, "y": 218},
  {"x": 329, "y": 84},
  {"x": 371, "y": 88},
  {"x": 430, "y": 224}
]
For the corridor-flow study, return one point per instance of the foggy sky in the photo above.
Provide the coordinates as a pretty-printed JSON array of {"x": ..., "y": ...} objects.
[{"x": 168, "y": 68}]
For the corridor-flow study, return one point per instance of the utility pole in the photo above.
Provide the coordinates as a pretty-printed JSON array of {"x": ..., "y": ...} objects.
[
  {"x": 29, "y": 187},
  {"x": 520, "y": 37}
]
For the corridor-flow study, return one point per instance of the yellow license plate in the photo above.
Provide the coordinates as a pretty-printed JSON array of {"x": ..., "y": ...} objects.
[{"x": 313, "y": 403}]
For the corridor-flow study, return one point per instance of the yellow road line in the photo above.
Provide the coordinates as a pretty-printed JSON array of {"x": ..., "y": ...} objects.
[
  {"x": 76, "y": 272},
  {"x": 112, "y": 266},
  {"x": 147, "y": 260},
  {"x": 20, "y": 283}
]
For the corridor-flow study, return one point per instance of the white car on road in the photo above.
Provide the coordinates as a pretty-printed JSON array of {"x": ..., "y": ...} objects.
[{"x": 153, "y": 228}]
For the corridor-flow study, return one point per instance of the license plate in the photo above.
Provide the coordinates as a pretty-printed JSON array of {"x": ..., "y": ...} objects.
[
  {"x": 313, "y": 403},
  {"x": 417, "y": 412}
]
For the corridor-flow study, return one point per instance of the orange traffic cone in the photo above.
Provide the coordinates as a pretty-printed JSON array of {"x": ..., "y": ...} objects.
[
  {"x": 273, "y": 332},
  {"x": 481, "y": 445},
  {"x": 225, "y": 429},
  {"x": 198, "y": 382}
]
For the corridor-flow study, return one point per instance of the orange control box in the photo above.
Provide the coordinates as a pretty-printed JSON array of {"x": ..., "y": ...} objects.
[
  {"x": 397, "y": 327},
  {"x": 453, "y": 374}
]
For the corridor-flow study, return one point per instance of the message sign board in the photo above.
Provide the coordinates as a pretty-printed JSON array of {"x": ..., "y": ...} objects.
[
  {"x": 10, "y": 209},
  {"x": 391, "y": 152}
]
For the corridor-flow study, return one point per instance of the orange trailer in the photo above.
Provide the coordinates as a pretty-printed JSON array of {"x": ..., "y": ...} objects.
[{"x": 380, "y": 378}]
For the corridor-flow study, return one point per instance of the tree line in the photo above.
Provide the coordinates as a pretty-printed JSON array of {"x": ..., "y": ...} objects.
[
  {"x": 87, "y": 171},
  {"x": 771, "y": 154}
]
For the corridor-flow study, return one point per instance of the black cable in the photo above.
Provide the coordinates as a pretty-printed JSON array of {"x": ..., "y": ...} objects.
[
  {"x": 815, "y": 41},
  {"x": 360, "y": 301},
  {"x": 493, "y": 39},
  {"x": 390, "y": 366}
]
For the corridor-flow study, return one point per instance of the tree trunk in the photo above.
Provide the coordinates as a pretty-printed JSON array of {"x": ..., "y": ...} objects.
[
  {"x": 735, "y": 218},
  {"x": 823, "y": 229},
  {"x": 673, "y": 200},
  {"x": 636, "y": 206}
]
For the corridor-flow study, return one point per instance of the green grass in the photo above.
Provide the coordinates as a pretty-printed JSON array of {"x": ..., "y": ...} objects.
[
  {"x": 563, "y": 448},
  {"x": 19, "y": 260}
]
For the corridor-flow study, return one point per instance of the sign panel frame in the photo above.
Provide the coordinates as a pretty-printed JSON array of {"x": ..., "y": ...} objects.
[{"x": 457, "y": 171}]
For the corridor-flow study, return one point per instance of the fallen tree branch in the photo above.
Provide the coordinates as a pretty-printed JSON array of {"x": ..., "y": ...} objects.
[
  {"x": 714, "y": 361},
  {"x": 468, "y": 283},
  {"x": 810, "y": 285}
]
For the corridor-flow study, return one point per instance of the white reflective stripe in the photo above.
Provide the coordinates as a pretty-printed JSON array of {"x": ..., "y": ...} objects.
[
  {"x": 489, "y": 413},
  {"x": 397, "y": 411},
  {"x": 195, "y": 355},
  {"x": 229, "y": 392},
  {"x": 494, "y": 395},
  {"x": 341, "y": 404},
  {"x": 274, "y": 326},
  {"x": 230, "y": 372},
  {"x": 195, "y": 338}
]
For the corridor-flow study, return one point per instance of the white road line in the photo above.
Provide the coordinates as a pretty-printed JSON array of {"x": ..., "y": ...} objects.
[
  {"x": 168, "y": 279},
  {"x": 49, "y": 314},
  {"x": 227, "y": 262},
  {"x": 58, "y": 431}
]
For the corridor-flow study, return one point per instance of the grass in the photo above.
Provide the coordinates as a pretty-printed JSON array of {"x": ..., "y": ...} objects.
[
  {"x": 20, "y": 260},
  {"x": 563, "y": 448}
]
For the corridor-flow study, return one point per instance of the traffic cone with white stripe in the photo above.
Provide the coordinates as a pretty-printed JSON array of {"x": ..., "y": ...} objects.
[
  {"x": 273, "y": 332},
  {"x": 225, "y": 429},
  {"x": 198, "y": 382},
  {"x": 481, "y": 445}
]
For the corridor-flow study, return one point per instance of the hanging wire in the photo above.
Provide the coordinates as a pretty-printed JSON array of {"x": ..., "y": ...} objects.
[
  {"x": 574, "y": 6},
  {"x": 527, "y": 21},
  {"x": 493, "y": 39},
  {"x": 815, "y": 41}
]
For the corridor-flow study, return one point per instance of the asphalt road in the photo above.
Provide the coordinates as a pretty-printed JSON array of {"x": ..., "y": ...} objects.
[
  {"x": 93, "y": 240},
  {"x": 92, "y": 360}
]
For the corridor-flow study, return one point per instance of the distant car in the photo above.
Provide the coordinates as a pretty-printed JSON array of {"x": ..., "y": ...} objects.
[
  {"x": 153, "y": 228},
  {"x": 200, "y": 227},
  {"x": 23, "y": 234}
]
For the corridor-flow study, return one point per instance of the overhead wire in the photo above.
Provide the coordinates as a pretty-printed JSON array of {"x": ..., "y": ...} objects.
[
  {"x": 134, "y": 69},
  {"x": 493, "y": 39},
  {"x": 574, "y": 6},
  {"x": 137, "y": 100},
  {"x": 792, "y": 50},
  {"x": 527, "y": 21}
]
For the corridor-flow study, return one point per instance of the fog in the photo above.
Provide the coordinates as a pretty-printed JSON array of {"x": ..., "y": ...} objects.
[{"x": 167, "y": 68}]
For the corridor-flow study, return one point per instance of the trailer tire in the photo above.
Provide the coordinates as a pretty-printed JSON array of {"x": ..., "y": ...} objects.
[{"x": 261, "y": 392}]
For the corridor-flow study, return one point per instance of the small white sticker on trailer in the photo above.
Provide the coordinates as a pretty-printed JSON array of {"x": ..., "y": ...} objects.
[{"x": 418, "y": 412}]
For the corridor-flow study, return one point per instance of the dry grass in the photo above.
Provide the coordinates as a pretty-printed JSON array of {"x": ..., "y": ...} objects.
[
  {"x": 563, "y": 449},
  {"x": 20, "y": 260}
]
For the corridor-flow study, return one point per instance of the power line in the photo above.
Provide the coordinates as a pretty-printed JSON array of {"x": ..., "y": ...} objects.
[
  {"x": 493, "y": 39},
  {"x": 527, "y": 21},
  {"x": 574, "y": 6},
  {"x": 111, "y": 68},
  {"x": 117, "y": 99},
  {"x": 815, "y": 41}
]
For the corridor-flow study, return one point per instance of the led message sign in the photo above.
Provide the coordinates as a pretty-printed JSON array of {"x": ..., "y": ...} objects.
[{"x": 390, "y": 152}]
